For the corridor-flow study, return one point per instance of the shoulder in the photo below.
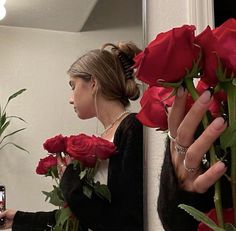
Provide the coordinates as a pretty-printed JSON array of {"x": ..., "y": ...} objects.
[
  {"x": 130, "y": 127},
  {"x": 129, "y": 122}
]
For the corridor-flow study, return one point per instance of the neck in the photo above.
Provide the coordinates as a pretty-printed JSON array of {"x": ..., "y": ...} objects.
[{"x": 118, "y": 119}]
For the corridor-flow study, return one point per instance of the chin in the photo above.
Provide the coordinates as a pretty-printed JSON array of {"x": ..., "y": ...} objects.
[{"x": 84, "y": 117}]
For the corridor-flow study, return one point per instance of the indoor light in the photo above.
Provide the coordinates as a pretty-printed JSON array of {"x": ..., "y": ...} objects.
[{"x": 2, "y": 12}]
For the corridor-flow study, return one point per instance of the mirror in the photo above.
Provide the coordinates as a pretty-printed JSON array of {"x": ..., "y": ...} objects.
[{"x": 37, "y": 49}]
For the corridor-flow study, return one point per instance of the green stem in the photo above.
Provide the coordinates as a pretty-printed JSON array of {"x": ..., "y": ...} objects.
[
  {"x": 76, "y": 225},
  {"x": 55, "y": 178},
  {"x": 217, "y": 196},
  {"x": 231, "y": 99}
]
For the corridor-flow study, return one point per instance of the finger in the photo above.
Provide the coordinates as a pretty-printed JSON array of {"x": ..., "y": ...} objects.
[
  {"x": 206, "y": 180},
  {"x": 177, "y": 111},
  {"x": 204, "y": 142},
  {"x": 187, "y": 129},
  {"x": 60, "y": 161},
  {"x": 68, "y": 160}
]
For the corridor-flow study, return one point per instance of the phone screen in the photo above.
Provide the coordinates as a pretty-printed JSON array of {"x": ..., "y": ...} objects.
[{"x": 2, "y": 202}]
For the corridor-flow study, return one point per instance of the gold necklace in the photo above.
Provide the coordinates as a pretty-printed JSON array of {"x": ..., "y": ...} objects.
[{"x": 112, "y": 124}]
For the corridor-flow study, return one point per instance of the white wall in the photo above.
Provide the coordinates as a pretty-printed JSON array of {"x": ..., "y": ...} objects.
[
  {"x": 38, "y": 60},
  {"x": 162, "y": 16}
]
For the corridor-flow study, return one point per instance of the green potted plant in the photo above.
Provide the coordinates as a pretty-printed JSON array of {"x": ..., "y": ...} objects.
[{"x": 5, "y": 121}]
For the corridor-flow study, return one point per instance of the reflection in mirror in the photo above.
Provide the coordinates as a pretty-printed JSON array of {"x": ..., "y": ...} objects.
[{"x": 39, "y": 41}]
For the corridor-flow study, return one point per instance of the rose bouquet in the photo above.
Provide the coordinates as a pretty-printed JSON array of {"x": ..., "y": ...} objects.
[
  {"x": 87, "y": 152},
  {"x": 178, "y": 58}
]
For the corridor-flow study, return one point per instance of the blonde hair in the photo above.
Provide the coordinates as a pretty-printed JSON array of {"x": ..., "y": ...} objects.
[{"x": 113, "y": 70}]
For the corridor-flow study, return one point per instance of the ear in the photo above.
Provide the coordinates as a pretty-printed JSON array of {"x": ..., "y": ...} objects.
[{"x": 94, "y": 86}]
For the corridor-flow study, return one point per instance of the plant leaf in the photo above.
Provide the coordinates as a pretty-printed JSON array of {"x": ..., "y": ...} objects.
[
  {"x": 16, "y": 117},
  {"x": 16, "y": 94},
  {"x": 200, "y": 216},
  {"x": 102, "y": 191},
  {"x": 229, "y": 227},
  {"x": 227, "y": 138},
  {"x": 62, "y": 216},
  {"x": 3, "y": 128},
  {"x": 54, "y": 196},
  {"x": 88, "y": 191},
  {"x": 3, "y": 119},
  {"x": 12, "y": 133}
]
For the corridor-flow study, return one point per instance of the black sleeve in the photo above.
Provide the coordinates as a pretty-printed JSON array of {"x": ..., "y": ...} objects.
[
  {"x": 90, "y": 212},
  {"x": 170, "y": 196},
  {"x": 125, "y": 181},
  {"x": 127, "y": 186},
  {"x": 39, "y": 221}
]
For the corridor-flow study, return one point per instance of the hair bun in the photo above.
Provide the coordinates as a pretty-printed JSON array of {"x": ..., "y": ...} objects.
[{"x": 129, "y": 48}]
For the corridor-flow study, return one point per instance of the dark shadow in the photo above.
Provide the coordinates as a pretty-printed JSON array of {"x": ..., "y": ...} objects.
[
  {"x": 224, "y": 9},
  {"x": 109, "y": 14}
]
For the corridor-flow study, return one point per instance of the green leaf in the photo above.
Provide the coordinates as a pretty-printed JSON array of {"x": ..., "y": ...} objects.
[
  {"x": 53, "y": 172},
  {"x": 17, "y": 146},
  {"x": 102, "y": 191},
  {"x": 200, "y": 216},
  {"x": 3, "y": 119},
  {"x": 3, "y": 128},
  {"x": 16, "y": 94},
  {"x": 227, "y": 138},
  {"x": 88, "y": 191},
  {"x": 54, "y": 197},
  {"x": 16, "y": 117},
  {"x": 62, "y": 216},
  {"x": 83, "y": 174},
  {"x": 12, "y": 97},
  {"x": 57, "y": 228},
  {"x": 229, "y": 227},
  {"x": 12, "y": 133}
]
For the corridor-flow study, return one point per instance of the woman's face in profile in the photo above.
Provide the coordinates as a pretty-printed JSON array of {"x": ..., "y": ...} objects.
[{"x": 82, "y": 97}]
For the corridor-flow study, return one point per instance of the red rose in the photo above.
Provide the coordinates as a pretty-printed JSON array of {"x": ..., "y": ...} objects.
[
  {"x": 227, "y": 214},
  {"x": 226, "y": 35},
  {"x": 153, "y": 111},
  {"x": 104, "y": 148},
  {"x": 168, "y": 56},
  {"x": 209, "y": 47},
  {"x": 55, "y": 144},
  {"x": 46, "y": 164},
  {"x": 81, "y": 147},
  {"x": 219, "y": 43},
  {"x": 88, "y": 149}
]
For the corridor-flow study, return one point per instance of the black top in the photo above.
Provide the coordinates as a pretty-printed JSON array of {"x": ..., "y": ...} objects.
[
  {"x": 170, "y": 196},
  {"x": 125, "y": 181}
]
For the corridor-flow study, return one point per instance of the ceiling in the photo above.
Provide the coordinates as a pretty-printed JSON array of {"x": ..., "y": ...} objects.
[{"x": 72, "y": 15}]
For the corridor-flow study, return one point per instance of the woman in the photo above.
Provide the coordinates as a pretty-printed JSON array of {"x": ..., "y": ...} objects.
[
  {"x": 184, "y": 180},
  {"x": 102, "y": 82}
]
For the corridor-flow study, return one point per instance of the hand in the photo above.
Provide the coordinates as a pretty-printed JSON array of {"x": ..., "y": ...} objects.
[
  {"x": 9, "y": 216},
  {"x": 187, "y": 153},
  {"x": 62, "y": 164}
]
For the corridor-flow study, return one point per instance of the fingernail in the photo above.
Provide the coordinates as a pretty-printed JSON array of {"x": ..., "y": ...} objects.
[
  {"x": 220, "y": 166},
  {"x": 225, "y": 162},
  {"x": 180, "y": 91},
  {"x": 218, "y": 123},
  {"x": 225, "y": 117},
  {"x": 205, "y": 97},
  {"x": 211, "y": 90}
]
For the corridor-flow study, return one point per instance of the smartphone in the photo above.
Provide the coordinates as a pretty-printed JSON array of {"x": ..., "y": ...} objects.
[{"x": 2, "y": 202}]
